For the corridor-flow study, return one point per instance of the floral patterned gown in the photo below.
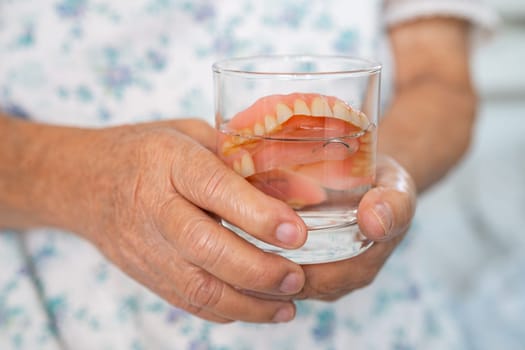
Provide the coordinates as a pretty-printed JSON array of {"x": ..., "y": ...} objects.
[{"x": 100, "y": 63}]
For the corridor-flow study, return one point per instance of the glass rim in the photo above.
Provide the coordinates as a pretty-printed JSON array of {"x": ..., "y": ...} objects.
[{"x": 233, "y": 66}]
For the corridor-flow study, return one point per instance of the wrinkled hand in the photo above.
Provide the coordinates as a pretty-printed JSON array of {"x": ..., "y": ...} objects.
[
  {"x": 384, "y": 215},
  {"x": 149, "y": 192}
]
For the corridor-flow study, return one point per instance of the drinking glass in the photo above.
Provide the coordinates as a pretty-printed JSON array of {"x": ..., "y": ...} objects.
[{"x": 303, "y": 129}]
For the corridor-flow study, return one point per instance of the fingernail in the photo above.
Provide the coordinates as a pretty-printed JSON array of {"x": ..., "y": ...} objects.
[
  {"x": 284, "y": 314},
  {"x": 287, "y": 233},
  {"x": 384, "y": 216},
  {"x": 291, "y": 283}
]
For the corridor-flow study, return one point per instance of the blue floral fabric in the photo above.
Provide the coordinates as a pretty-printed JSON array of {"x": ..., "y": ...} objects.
[{"x": 101, "y": 63}]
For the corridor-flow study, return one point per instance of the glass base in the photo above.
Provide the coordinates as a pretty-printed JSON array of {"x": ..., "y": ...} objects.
[{"x": 322, "y": 245}]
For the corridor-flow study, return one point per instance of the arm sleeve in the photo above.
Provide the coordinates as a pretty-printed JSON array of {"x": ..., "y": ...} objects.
[{"x": 484, "y": 21}]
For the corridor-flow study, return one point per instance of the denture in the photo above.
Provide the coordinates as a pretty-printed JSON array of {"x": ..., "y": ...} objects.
[{"x": 296, "y": 147}]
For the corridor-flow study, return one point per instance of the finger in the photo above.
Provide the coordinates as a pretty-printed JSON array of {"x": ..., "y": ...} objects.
[
  {"x": 169, "y": 294},
  {"x": 206, "y": 292},
  {"x": 204, "y": 180},
  {"x": 153, "y": 269},
  {"x": 208, "y": 245},
  {"x": 206, "y": 296},
  {"x": 387, "y": 210}
]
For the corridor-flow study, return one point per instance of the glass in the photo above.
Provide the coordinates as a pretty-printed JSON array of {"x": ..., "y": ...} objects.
[{"x": 303, "y": 130}]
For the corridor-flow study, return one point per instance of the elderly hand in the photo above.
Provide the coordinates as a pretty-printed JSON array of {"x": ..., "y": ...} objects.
[
  {"x": 195, "y": 261},
  {"x": 384, "y": 215},
  {"x": 147, "y": 195}
]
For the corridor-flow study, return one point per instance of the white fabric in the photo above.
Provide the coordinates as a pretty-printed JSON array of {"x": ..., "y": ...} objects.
[{"x": 483, "y": 19}]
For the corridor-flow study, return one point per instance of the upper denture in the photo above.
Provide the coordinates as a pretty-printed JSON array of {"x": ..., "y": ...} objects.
[
  {"x": 271, "y": 112},
  {"x": 295, "y": 115}
]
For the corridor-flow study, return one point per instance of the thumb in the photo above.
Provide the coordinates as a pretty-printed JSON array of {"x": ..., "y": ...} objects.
[{"x": 387, "y": 210}]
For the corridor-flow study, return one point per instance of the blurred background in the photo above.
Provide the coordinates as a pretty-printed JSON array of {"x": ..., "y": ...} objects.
[{"x": 473, "y": 222}]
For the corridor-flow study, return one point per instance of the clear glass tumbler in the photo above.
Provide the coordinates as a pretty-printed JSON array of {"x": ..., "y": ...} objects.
[{"x": 302, "y": 129}]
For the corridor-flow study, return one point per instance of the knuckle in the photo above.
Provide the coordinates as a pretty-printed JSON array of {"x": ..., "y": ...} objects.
[
  {"x": 214, "y": 183},
  {"x": 261, "y": 277},
  {"x": 203, "y": 176},
  {"x": 205, "y": 248},
  {"x": 204, "y": 291}
]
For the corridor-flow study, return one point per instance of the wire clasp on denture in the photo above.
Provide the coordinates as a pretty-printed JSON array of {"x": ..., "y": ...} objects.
[{"x": 340, "y": 141}]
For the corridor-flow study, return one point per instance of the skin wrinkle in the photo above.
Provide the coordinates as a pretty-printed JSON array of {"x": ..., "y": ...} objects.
[
  {"x": 203, "y": 185},
  {"x": 401, "y": 182},
  {"x": 233, "y": 260},
  {"x": 175, "y": 297},
  {"x": 136, "y": 189},
  {"x": 187, "y": 231},
  {"x": 380, "y": 220},
  {"x": 170, "y": 293},
  {"x": 215, "y": 182},
  {"x": 217, "y": 179},
  {"x": 162, "y": 211},
  {"x": 256, "y": 273},
  {"x": 192, "y": 280},
  {"x": 127, "y": 260},
  {"x": 268, "y": 312},
  {"x": 147, "y": 271},
  {"x": 204, "y": 291},
  {"x": 208, "y": 183},
  {"x": 207, "y": 251}
]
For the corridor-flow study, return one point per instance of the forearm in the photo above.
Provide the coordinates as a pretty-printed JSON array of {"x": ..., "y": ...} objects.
[
  {"x": 36, "y": 182},
  {"x": 429, "y": 124},
  {"x": 428, "y": 129}
]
